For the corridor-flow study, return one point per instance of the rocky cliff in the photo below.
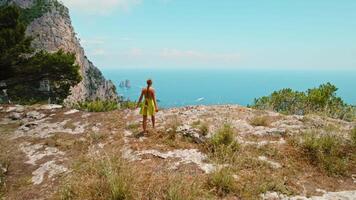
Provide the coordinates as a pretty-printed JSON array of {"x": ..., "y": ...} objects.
[{"x": 52, "y": 30}]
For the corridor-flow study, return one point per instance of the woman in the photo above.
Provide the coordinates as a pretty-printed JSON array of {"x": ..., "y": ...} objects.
[{"x": 148, "y": 106}]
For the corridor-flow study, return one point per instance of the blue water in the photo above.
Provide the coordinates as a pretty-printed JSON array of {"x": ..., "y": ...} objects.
[{"x": 176, "y": 87}]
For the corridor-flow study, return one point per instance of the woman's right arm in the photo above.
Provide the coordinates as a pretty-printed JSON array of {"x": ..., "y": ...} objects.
[
  {"x": 139, "y": 100},
  {"x": 155, "y": 101}
]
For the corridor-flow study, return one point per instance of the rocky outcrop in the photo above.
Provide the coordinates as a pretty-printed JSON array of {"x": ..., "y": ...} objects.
[{"x": 53, "y": 31}]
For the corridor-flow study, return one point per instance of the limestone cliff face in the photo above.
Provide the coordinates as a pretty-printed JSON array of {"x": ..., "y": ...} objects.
[{"x": 52, "y": 31}]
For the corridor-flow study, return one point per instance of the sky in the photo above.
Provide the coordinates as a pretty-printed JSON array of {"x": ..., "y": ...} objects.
[{"x": 237, "y": 34}]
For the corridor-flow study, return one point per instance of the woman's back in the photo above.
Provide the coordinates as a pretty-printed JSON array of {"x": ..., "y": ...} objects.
[{"x": 148, "y": 93}]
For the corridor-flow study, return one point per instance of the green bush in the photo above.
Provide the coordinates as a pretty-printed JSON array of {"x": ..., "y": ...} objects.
[
  {"x": 328, "y": 151},
  {"x": 316, "y": 100},
  {"x": 223, "y": 145},
  {"x": 127, "y": 105},
  {"x": 224, "y": 137},
  {"x": 97, "y": 106}
]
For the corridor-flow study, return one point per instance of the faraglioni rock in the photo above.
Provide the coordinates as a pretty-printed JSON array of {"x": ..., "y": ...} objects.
[{"x": 50, "y": 25}]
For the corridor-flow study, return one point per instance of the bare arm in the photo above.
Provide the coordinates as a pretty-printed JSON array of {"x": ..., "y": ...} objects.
[
  {"x": 155, "y": 101},
  {"x": 140, "y": 99}
]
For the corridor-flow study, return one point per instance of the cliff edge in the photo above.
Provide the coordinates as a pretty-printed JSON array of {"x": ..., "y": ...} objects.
[{"x": 50, "y": 26}]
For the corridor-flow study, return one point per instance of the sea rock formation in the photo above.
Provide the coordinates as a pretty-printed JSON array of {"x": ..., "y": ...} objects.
[{"x": 52, "y": 30}]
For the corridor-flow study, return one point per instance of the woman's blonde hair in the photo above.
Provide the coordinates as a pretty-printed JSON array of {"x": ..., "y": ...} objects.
[{"x": 149, "y": 83}]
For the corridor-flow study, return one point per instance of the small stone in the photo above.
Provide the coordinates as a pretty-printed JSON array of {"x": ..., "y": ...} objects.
[
  {"x": 71, "y": 112},
  {"x": 17, "y": 108},
  {"x": 16, "y": 116},
  {"x": 50, "y": 107}
]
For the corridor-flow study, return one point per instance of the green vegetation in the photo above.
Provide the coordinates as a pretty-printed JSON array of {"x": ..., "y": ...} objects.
[
  {"x": 99, "y": 179},
  {"x": 329, "y": 151},
  {"x": 223, "y": 145},
  {"x": 322, "y": 100},
  {"x": 39, "y": 8},
  {"x": 97, "y": 106},
  {"x": 104, "y": 106},
  {"x": 127, "y": 105},
  {"x": 22, "y": 74},
  {"x": 222, "y": 181}
]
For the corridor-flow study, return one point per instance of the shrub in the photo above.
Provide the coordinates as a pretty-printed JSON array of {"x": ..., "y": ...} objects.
[
  {"x": 225, "y": 136},
  {"x": 316, "y": 100},
  {"x": 97, "y": 106},
  {"x": 223, "y": 144},
  {"x": 325, "y": 151},
  {"x": 260, "y": 121},
  {"x": 127, "y": 105},
  {"x": 222, "y": 181}
]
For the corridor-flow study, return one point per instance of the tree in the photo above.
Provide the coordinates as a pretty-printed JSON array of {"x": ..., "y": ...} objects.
[
  {"x": 322, "y": 99},
  {"x": 13, "y": 42},
  {"x": 22, "y": 69}
]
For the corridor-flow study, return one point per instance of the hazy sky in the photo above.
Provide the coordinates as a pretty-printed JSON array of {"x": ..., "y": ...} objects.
[{"x": 279, "y": 34}]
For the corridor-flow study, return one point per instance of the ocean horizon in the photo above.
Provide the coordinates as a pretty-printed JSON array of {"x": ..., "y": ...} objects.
[{"x": 183, "y": 87}]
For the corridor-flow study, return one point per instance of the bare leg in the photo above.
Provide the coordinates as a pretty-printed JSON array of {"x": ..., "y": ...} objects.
[
  {"x": 153, "y": 121},
  {"x": 144, "y": 123}
]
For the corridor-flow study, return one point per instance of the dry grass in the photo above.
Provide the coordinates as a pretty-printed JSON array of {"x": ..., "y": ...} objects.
[
  {"x": 260, "y": 121},
  {"x": 353, "y": 137},
  {"x": 171, "y": 133},
  {"x": 203, "y": 127},
  {"x": 222, "y": 182},
  {"x": 96, "y": 137},
  {"x": 107, "y": 177},
  {"x": 185, "y": 188},
  {"x": 133, "y": 126}
]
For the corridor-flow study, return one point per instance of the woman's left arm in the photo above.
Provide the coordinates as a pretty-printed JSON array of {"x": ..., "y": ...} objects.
[{"x": 139, "y": 100}]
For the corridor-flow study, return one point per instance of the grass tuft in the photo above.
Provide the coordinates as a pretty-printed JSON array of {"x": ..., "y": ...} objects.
[
  {"x": 260, "y": 121},
  {"x": 222, "y": 181},
  {"x": 203, "y": 127},
  {"x": 99, "y": 179},
  {"x": 182, "y": 188},
  {"x": 97, "y": 106},
  {"x": 329, "y": 152},
  {"x": 223, "y": 145}
]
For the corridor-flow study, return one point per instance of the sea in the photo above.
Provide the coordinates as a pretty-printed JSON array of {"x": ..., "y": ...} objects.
[{"x": 183, "y": 87}]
